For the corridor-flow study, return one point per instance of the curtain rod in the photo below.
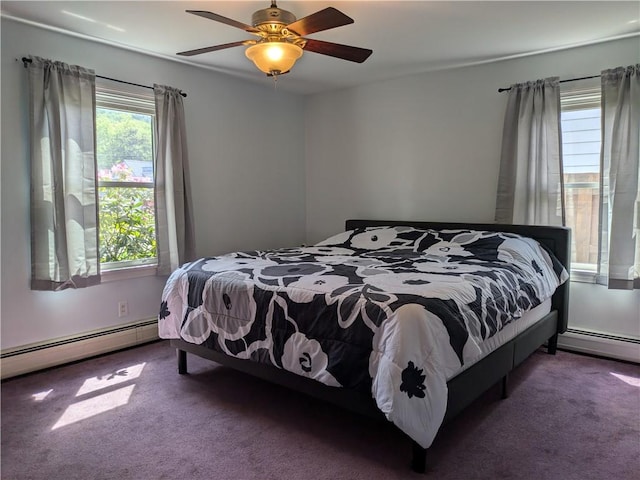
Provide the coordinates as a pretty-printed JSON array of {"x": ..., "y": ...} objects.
[
  {"x": 500, "y": 90},
  {"x": 26, "y": 60}
]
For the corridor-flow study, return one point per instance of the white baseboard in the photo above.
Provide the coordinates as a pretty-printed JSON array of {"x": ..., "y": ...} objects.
[
  {"x": 593, "y": 343},
  {"x": 30, "y": 358}
]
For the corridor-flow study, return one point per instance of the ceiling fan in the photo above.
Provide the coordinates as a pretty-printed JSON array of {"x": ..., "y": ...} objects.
[{"x": 281, "y": 41}]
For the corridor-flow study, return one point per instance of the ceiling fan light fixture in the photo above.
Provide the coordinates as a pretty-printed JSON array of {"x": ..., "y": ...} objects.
[
  {"x": 281, "y": 38},
  {"x": 274, "y": 58}
]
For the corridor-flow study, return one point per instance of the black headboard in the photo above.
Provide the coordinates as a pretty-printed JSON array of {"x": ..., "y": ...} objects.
[{"x": 556, "y": 239}]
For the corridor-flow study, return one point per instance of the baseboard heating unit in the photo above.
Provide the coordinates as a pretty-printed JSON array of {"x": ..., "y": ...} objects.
[
  {"x": 37, "y": 356},
  {"x": 601, "y": 344}
]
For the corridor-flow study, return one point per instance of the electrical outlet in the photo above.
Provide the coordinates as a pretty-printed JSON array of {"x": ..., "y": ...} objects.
[{"x": 123, "y": 309}]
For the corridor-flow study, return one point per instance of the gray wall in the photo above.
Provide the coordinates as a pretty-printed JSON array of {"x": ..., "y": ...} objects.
[
  {"x": 424, "y": 146},
  {"x": 427, "y": 147},
  {"x": 248, "y": 186}
]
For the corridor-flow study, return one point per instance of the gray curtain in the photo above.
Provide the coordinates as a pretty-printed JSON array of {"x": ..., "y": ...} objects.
[
  {"x": 174, "y": 212},
  {"x": 64, "y": 233},
  {"x": 530, "y": 187},
  {"x": 620, "y": 208}
]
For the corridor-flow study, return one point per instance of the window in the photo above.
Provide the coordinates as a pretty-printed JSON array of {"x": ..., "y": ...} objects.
[
  {"x": 581, "y": 140},
  {"x": 124, "y": 152}
]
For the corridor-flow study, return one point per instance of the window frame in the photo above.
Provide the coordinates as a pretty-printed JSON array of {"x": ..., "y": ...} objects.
[
  {"x": 128, "y": 101},
  {"x": 584, "y": 97}
]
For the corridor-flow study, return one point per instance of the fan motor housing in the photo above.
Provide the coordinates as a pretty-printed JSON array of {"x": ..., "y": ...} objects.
[{"x": 272, "y": 15}]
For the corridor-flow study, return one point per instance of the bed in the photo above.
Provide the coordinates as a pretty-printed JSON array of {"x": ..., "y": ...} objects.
[{"x": 406, "y": 321}]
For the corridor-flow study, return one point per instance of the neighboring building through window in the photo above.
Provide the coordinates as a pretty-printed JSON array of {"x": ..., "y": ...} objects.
[
  {"x": 124, "y": 148},
  {"x": 581, "y": 142}
]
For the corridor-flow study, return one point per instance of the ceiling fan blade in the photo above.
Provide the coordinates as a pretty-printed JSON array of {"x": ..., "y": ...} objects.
[
  {"x": 319, "y": 21},
  {"x": 345, "y": 52},
  {"x": 198, "y": 51},
  {"x": 225, "y": 20}
]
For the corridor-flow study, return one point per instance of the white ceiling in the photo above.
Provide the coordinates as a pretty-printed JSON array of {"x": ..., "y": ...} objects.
[{"x": 405, "y": 36}]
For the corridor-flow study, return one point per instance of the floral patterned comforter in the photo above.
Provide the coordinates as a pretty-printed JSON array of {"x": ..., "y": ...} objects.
[{"x": 394, "y": 311}]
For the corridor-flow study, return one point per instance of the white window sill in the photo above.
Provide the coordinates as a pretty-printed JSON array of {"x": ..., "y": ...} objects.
[
  {"x": 583, "y": 276},
  {"x": 127, "y": 273}
]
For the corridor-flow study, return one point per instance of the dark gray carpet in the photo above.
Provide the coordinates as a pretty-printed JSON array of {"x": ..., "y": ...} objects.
[{"x": 568, "y": 417}]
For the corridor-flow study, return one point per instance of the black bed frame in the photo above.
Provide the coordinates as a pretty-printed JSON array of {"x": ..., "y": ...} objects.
[{"x": 464, "y": 388}]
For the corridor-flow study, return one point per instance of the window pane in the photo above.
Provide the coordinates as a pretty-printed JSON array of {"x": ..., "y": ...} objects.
[
  {"x": 124, "y": 145},
  {"x": 582, "y": 199},
  {"x": 127, "y": 224},
  {"x": 585, "y": 163},
  {"x": 581, "y": 162},
  {"x": 581, "y": 141}
]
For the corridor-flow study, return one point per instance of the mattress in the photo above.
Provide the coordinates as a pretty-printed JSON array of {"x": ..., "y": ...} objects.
[{"x": 510, "y": 331}]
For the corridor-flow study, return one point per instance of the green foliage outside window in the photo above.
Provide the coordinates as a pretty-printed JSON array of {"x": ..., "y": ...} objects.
[
  {"x": 127, "y": 224},
  {"x": 127, "y": 213},
  {"x": 122, "y": 136}
]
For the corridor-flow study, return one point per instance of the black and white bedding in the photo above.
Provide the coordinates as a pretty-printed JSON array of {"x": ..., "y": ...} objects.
[{"x": 394, "y": 311}]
